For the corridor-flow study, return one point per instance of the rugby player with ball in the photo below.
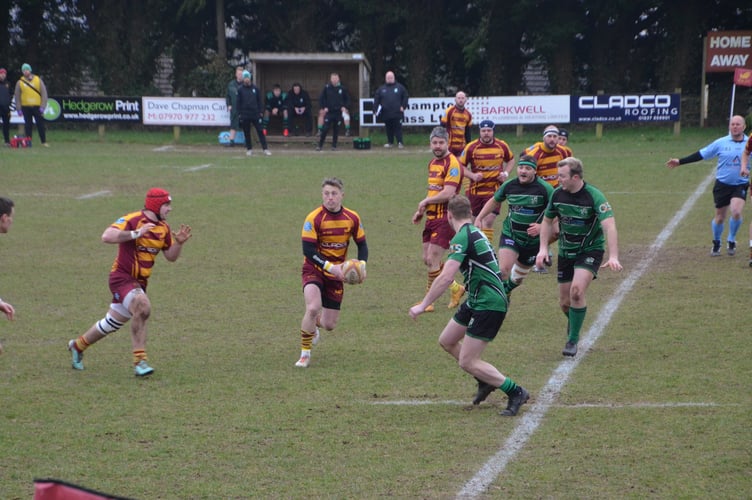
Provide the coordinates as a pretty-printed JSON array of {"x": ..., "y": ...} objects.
[{"x": 326, "y": 236}]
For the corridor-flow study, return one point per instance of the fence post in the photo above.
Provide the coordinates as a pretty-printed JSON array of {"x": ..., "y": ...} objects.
[
  {"x": 519, "y": 125},
  {"x": 100, "y": 130},
  {"x": 176, "y": 133},
  {"x": 599, "y": 125}
]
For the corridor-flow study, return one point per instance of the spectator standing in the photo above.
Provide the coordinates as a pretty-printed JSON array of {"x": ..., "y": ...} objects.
[
  {"x": 333, "y": 102},
  {"x": 5, "y": 99},
  {"x": 232, "y": 99},
  {"x": 390, "y": 103},
  {"x": 276, "y": 108},
  {"x": 250, "y": 110},
  {"x": 345, "y": 116},
  {"x": 299, "y": 107},
  {"x": 31, "y": 93},
  {"x": 457, "y": 120}
]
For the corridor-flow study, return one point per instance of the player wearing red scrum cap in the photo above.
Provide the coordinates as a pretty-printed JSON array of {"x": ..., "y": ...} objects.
[{"x": 140, "y": 237}]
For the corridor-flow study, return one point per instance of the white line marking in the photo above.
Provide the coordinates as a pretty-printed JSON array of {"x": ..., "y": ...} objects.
[
  {"x": 645, "y": 405},
  {"x": 645, "y": 193},
  {"x": 93, "y": 195},
  {"x": 532, "y": 418},
  {"x": 197, "y": 168},
  {"x": 420, "y": 402},
  {"x": 450, "y": 402}
]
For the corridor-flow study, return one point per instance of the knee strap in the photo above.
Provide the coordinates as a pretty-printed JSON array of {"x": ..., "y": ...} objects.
[
  {"x": 518, "y": 273},
  {"x": 108, "y": 325}
]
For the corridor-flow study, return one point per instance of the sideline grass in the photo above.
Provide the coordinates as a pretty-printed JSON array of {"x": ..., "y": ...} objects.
[{"x": 659, "y": 408}]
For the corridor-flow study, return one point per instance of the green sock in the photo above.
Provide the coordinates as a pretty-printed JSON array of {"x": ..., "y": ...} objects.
[
  {"x": 576, "y": 318},
  {"x": 510, "y": 285},
  {"x": 508, "y": 386}
]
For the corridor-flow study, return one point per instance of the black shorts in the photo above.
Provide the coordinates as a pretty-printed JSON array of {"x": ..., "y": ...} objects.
[
  {"x": 483, "y": 325},
  {"x": 587, "y": 260},
  {"x": 722, "y": 193},
  {"x": 525, "y": 255}
]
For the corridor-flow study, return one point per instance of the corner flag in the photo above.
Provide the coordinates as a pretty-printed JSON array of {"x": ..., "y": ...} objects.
[{"x": 743, "y": 77}]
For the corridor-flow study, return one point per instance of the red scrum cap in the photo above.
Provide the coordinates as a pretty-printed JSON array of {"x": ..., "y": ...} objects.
[{"x": 155, "y": 198}]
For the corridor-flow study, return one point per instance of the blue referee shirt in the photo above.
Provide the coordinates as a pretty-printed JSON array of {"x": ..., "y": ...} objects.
[{"x": 729, "y": 153}]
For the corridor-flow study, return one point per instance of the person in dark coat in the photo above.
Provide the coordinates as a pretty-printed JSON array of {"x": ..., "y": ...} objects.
[
  {"x": 299, "y": 107},
  {"x": 251, "y": 111},
  {"x": 390, "y": 103},
  {"x": 333, "y": 102},
  {"x": 5, "y": 98}
]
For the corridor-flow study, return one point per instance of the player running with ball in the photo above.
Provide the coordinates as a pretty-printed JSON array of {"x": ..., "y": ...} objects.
[{"x": 326, "y": 236}]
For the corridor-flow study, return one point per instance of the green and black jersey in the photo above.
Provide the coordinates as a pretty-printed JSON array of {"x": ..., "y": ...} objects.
[
  {"x": 526, "y": 205},
  {"x": 580, "y": 215},
  {"x": 479, "y": 266}
]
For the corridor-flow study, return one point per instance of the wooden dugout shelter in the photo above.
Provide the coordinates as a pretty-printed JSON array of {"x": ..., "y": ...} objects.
[{"x": 312, "y": 70}]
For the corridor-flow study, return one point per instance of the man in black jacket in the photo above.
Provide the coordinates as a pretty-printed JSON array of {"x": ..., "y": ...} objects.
[
  {"x": 333, "y": 102},
  {"x": 5, "y": 98},
  {"x": 390, "y": 103},
  {"x": 299, "y": 106},
  {"x": 250, "y": 111}
]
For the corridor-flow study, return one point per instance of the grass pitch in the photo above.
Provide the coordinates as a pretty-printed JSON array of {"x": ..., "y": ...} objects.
[{"x": 658, "y": 407}]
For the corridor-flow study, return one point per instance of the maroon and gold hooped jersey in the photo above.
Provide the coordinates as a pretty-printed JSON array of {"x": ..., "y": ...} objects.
[
  {"x": 136, "y": 257},
  {"x": 456, "y": 121},
  {"x": 547, "y": 159},
  {"x": 442, "y": 172},
  {"x": 331, "y": 232},
  {"x": 488, "y": 160}
]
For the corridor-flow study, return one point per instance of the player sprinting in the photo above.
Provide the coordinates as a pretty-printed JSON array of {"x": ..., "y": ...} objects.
[
  {"x": 140, "y": 237},
  {"x": 326, "y": 236}
]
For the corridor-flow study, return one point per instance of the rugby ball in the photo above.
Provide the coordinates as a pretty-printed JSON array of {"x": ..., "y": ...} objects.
[{"x": 354, "y": 271}]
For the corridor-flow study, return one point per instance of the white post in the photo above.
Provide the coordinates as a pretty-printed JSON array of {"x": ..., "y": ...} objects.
[{"x": 733, "y": 96}]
